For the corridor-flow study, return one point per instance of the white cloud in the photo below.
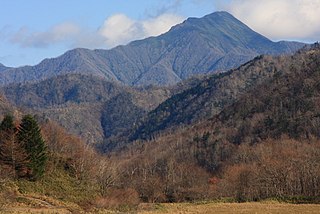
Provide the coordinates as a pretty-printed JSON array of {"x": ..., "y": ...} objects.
[
  {"x": 160, "y": 24},
  {"x": 59, "y": 33},
  {"x": 279, "y": 19},
  {"x": 120, "y": 29},
  {"x": 116, "y": 30}
]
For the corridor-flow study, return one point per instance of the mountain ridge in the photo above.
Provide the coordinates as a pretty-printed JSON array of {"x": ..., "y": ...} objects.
[
  {"x": 86, "y": 105},
  {"x": 216, "y": 42},
  {"x": 211, "y": 95}
]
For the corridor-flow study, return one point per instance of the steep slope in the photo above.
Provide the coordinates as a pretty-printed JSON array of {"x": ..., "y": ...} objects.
[
  {"x": 212, "y": 95},
  {"x": 215, "y": 42},
  {"x": 287, "y": 104},
  {"x": 87, "y": 106},
  {"x": 208, "y": 97}
]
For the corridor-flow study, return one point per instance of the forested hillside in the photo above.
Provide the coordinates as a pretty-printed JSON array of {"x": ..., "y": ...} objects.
[
  {"x": 220, "y": 91},
  {"x": 87, "y": 106},
  {"x": 265, "y": 144}
]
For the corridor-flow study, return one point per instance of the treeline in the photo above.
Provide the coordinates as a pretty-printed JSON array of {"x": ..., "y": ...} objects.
[
  {"x": 173, "y": 170},
  {"x": 182, "y": 166},
  {"x": 282, "y": 169}
]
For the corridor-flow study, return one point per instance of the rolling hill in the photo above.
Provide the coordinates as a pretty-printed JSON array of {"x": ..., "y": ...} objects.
[{"x": 87, "y": 106}]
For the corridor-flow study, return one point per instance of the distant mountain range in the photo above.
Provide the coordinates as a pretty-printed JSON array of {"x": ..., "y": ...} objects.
[{"x": 216, "y": 42}]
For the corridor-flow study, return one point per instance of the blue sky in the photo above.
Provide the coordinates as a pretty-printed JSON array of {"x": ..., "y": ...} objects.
[{"x": 31, "y": 30}]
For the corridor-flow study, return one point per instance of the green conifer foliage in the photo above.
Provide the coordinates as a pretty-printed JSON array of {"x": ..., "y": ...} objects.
[
  {"x": 29, "y": 135},
  {"x": 7, "y": 123}
]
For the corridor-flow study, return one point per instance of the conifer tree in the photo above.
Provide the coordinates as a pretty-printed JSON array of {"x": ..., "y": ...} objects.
[
  {"x": 7, "y": 123},
  {"x": 29, "y": 135}
]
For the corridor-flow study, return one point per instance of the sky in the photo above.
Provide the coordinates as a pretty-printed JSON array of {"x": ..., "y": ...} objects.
[{"x": 32, "y": 30}]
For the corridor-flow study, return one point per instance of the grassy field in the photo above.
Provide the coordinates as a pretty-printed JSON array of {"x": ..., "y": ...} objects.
[
  {"x": 229, "y": 208},
  {"x": 52, "y": 207}
]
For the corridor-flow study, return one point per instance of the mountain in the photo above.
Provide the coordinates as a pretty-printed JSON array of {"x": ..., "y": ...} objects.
[
  {"x": 216, "y": 42},
  {"x": 287, "y": 104},
  {"x": 87, "y": 106},
  {"x": 215, "y": 93}
]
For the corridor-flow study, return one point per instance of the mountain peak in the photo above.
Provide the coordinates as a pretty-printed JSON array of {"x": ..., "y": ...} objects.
[
  {"x": 219, "y": 14},
  {"x": 214, "y": 15},
  {"x": 215, "y": 42}
]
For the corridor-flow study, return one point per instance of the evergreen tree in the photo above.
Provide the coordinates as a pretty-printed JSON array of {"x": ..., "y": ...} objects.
[
  {"x": 7, "y": 123},
  {"x": 29, "y": 135}
]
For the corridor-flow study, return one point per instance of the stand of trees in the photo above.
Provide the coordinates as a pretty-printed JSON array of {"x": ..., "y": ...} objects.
[
  {"x": 177, "y": 169},
  {"x": 23, "y": 152}
]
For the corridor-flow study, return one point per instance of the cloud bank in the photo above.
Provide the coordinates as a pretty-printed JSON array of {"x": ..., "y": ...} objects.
[
  {"x": 119, "y": 29},
  {"x": 116, "y": 30},
  {"x": 279, "y": 19}
]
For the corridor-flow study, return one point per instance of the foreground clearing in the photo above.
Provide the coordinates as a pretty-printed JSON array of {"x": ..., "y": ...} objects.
[
  {"x": 181, "y": 208},
  {"x": 226, "y": 208}
]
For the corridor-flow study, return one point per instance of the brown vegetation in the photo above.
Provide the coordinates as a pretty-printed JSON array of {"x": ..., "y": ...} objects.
[
  {"x": 285, "y": 169},
  {"x": 170, "y": 171},
  {"x": 226, "y": 208}
]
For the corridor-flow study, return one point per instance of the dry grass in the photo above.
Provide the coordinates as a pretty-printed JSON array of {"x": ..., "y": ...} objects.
[
  {"x": 190, "y": 208},
  {"x": 38, "y": 204},
  {"x": 230, "y": 208}
]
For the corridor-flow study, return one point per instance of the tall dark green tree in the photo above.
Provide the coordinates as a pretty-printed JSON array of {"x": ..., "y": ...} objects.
[
  {"x": 29, "y": 135},
  {"x": 7, "y": 123}
]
